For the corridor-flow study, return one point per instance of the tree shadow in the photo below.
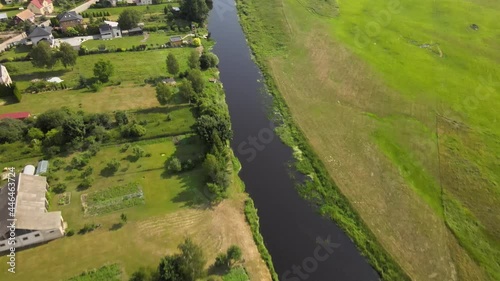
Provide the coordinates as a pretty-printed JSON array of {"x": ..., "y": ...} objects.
[
  {"x": 217, "y": 270},
  {"x": 116, "y": 226},
  {"x": 107, "y": 172},
  {"x": 192, "y": 195}
]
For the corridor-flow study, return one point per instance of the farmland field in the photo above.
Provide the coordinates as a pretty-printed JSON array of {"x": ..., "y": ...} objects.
[
  {"x": 399, "y": 101},
  {"x": 173, "y": 205}
]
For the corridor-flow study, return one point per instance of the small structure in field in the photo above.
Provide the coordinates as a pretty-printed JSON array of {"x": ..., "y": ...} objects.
[
  {"x": 29, "y": 170},
  {"x": 169, "y": 81},
  {"x": 176, "y": 41},
  {"x": 42, "y": 167}
]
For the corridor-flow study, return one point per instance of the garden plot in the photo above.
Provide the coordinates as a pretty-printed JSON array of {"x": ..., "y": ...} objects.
[{"x": 112, "y": 199}]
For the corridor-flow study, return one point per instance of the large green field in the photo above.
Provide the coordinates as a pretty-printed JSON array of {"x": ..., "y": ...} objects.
[{"x": 406, "y": 96}]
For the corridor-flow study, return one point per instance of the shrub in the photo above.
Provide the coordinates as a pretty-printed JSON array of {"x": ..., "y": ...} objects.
[
  {"x": 174, "y": 165},
  {"x": 70, "y": 233},
  {"x": 59, "y": 188}
]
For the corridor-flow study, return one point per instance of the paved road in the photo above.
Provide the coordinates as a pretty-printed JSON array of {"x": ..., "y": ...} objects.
[{"x": 83, "y": 7}]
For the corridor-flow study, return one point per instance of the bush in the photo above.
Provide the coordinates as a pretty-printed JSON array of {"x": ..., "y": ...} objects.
[
  {"x": 174, "y": 165},
  {"x": 70, "y": 233},
  {"x": 59, "y": 188}
]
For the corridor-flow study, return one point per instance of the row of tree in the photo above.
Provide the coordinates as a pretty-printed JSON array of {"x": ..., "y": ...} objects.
[{"x": 43, "y": 56}]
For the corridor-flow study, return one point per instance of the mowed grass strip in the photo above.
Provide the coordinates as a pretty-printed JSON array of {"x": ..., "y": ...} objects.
[{"x": 153, "y": 38}]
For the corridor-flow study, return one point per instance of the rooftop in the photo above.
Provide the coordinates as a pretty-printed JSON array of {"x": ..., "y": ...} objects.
[
  {"x": 31, "y": 204},
  {"x": 3, "y": 16},
  {"x": 41, "y": 31},
  {"x": 15, "y": 115},
  {"x": 69, "y": 16},
  {"x": 175, "y": 39},
  {"x": 24, "y": 15},
  {"x": 39, "y": 3}
]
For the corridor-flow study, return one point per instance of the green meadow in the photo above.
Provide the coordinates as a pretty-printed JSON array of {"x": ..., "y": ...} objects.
[{"x": 406, "y": 94}]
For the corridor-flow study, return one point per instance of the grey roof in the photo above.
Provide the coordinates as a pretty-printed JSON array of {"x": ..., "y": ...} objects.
[
  {"x": 104, "y": 28},
  {"x": 175, "y": 39},
  {"x": 3, "y": 16},
  {"x": 69, "y": 16},
  {"x": 42, "y": 167},
  {"x": 135, "y": 29},
  {"x": 41, "y": 31},
  {"x": 31, "y": 205}
]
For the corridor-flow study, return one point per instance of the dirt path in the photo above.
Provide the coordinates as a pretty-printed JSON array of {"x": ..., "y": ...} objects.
[{"x": 146, "y": 37}]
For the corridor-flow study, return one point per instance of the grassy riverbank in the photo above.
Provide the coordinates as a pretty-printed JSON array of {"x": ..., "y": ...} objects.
[{"x": 400, "y": 116}]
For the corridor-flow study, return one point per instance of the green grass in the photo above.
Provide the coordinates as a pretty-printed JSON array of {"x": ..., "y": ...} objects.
[
  {"x": 236, "y": 274},
  {"x": 371, "y": 61},
  {"x": 253, "y": 221},
  {"x": 108, "y": 273},
  {"x": 155, "y": 38},
  {"x": 19, "y": 51}
]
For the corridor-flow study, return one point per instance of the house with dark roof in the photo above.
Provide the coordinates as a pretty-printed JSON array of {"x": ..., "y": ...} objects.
[
  {"x": 110, "y": 30},
  {"x": 24, "y": 16},
  {"x": 176, "y": 41},
  {"x": 16, "y": 115},
  {"x": 69, "y": 19},
  {"x": 34, "y": 224},
  {"x": 41, "y": 7},
  {"x": 40, "y": 33}
]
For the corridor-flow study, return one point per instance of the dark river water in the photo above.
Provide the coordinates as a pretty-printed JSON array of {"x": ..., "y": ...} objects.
[{"x": 303, "y": 245}]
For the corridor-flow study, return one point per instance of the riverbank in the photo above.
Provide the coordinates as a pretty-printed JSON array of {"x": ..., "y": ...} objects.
[
  {"x": 349, "y": 123},
  {"x": 319, "y": 188}
]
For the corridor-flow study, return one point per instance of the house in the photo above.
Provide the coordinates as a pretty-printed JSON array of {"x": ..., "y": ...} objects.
[
  {"x": 33, "y": 223},
  {"x": 144, "y": 2},
  {"x": 42, "y": 167},
  {"x": 169, "y": 81},
  {"x": 24, "y": 16},
  {"x": 69, "y": 19},
  {"x": 40, "y": 33},
  {"x": 4, "y": 76},
  {"x": 15, "y": 115},
  {"x": 29, "y": 170},
  {"x": 175, "y": 41},
  {"x": 3, "y": 17},
  {"x": 110, "y": 30},
  {"x": 41, "y": 7}
]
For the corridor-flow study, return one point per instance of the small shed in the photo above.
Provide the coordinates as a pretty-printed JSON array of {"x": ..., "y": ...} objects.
[
  {"x": 15, "y": 115},
  {"x": 42, "y": 167},
  {"x": 29, "y": 170},
  {"x": 3, "y": 16},
  {"x": 175, "y": 41}
]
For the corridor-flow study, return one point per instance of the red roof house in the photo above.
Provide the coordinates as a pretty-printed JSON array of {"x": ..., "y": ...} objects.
[{"x": 15, "y": 115}]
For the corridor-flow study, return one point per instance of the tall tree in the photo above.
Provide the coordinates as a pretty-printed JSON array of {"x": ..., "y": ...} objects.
[
  {"x": 208, "y": 60},
  {"x": 103, "y": 70},
  {"x": 186, "y": 90},
  {"x": 43, "y": 56},
  {"x": 172, "y": 64},
  {"x": 194, "y": 59},
  {"x": 192, "y": 260},
  {"x": 163, "y": 93},
  {"x": 129, "y": 19},
  {"x": 197, "y": 80},
  {"x": 67, "y": 55},
  {"x": 194, "y": 10}
]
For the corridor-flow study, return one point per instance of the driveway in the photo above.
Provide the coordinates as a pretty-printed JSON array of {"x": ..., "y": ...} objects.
[{"x": 75, "y": 41}]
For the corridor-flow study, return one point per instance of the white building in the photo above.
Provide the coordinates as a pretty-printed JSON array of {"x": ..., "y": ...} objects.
[
  {"x": 41, "y": 33},
  {"x": 34, "y": 224},
  {"x": 110, "y": 30},
  {"x": 144, "y": 2},
  {"x": 4, "y": 76}
]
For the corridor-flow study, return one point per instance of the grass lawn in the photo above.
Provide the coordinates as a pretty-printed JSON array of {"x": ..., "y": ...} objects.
[
  {"x": 19, "y": 51},
  {"x": 405, "y": 96}
]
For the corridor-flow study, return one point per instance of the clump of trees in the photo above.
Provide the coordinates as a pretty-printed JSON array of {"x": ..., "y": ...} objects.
[
  {"x": 129, "y": 19},
  {"x": 172, "y": 64},
  {"x": 194, "y": 10},
  {"x": 163, "y": 93},
  {"x": 43, "y": 56},
  {"x": 103, "y": 70}
]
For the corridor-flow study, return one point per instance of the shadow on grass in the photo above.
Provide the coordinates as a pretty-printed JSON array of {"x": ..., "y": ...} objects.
[
  {"x": 192, "y": 196},
  {"x": 161, "y": 110},
  {"x": 107, "y": 172},
  {"x": 116, "y": 226},
  {"x": 39, "y": 75}
]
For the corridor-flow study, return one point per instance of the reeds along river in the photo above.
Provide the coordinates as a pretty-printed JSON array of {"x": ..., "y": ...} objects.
[{"x": 303, "y": 245}]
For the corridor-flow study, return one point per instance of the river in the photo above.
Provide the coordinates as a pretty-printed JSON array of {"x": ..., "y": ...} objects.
[{"x": 303, "y": 244}]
